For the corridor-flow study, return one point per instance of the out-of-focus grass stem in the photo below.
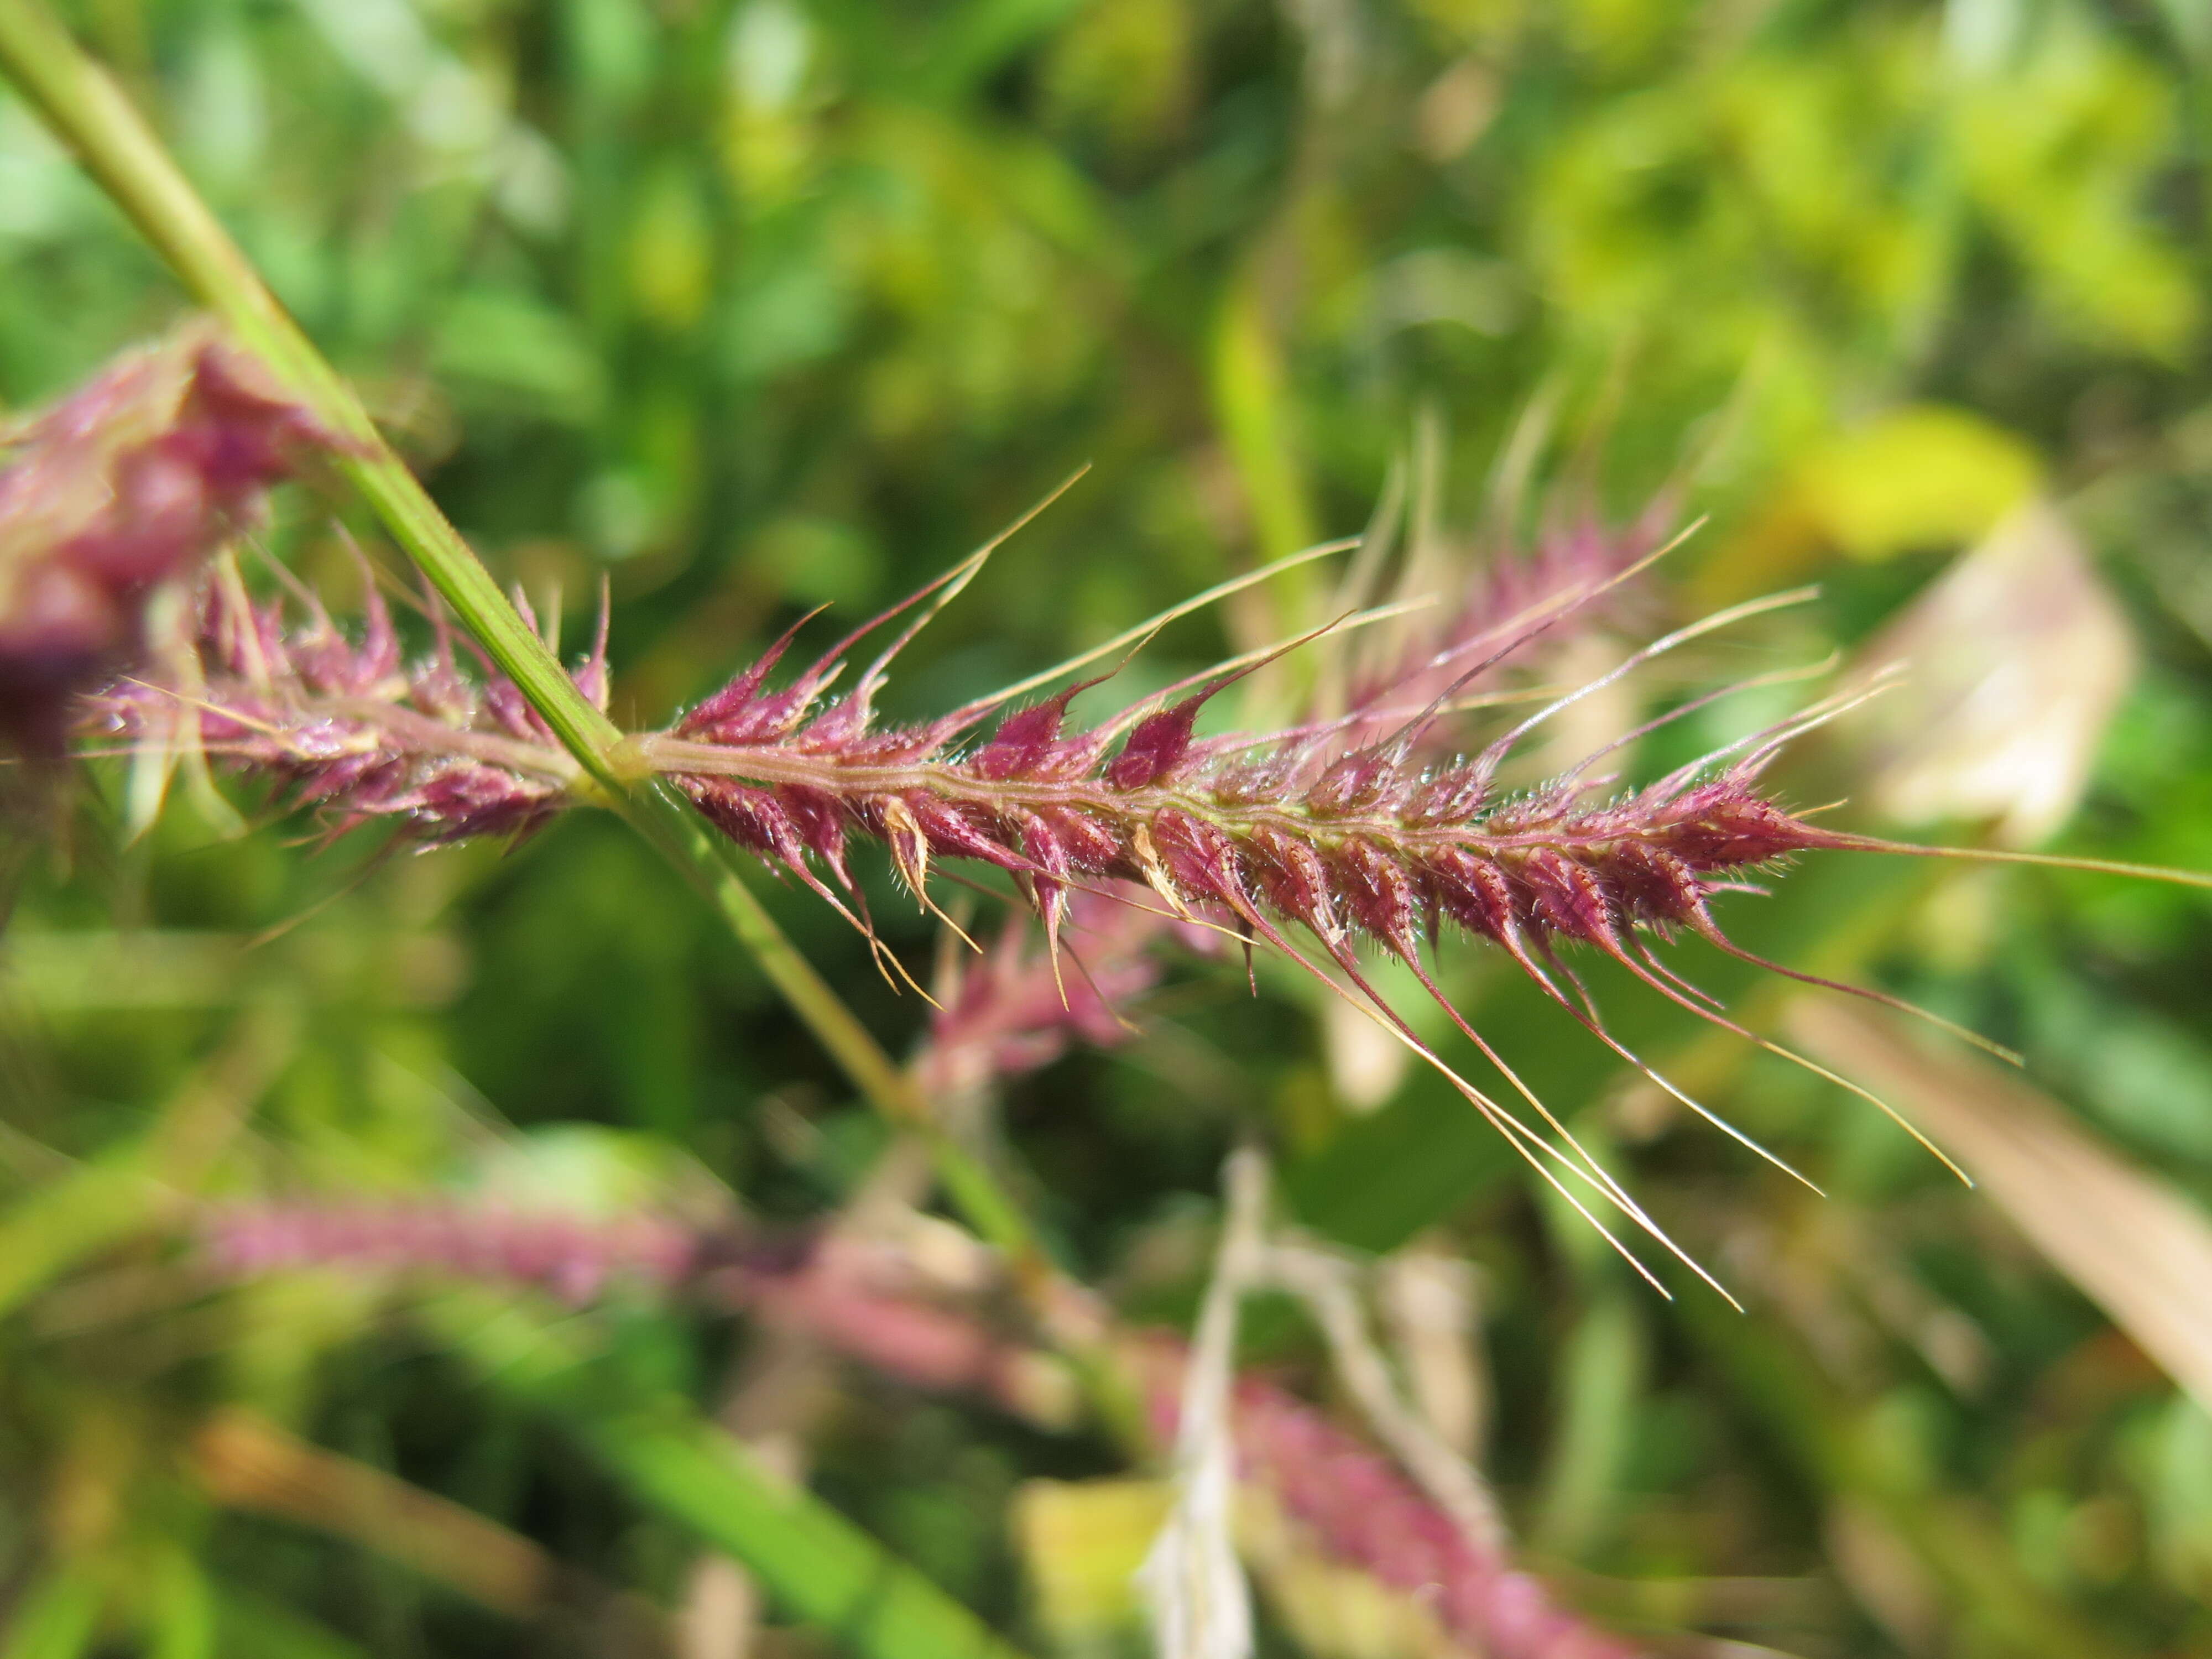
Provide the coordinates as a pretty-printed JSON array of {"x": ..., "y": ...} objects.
[{"x": 88, "y": 112}]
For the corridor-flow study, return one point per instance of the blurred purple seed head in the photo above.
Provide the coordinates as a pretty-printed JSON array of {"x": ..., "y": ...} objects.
[
  {"x": 131, "y": 482},
  {"x": 1013, "y": 1010},
  {"x": 573, "y": 1258},
  {"x": 1354, "y": 1507},
  {"x": 1520, "y": 599}
]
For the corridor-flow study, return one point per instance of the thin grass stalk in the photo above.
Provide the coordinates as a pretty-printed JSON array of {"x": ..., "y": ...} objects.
[{"x": 84, "y": 108}]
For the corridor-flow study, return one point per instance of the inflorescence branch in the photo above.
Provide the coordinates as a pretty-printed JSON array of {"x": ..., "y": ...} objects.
[{"x": 1359, "y": 824}]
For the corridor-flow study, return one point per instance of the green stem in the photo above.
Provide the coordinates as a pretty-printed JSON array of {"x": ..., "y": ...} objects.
[
  {"x": 82, "y": 105},
  {"x": 988, "y": 1209}
]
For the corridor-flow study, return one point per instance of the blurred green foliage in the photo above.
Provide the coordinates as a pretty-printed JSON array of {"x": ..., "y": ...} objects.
[{"x": 748, "y": 305}]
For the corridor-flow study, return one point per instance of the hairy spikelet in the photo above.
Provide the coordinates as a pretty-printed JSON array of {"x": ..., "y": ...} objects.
[
  {"x": 1355, "y": 842},
  {"x": 1349, "y": 839},
  {"x": 1510, "y": 602},
  {"x": 349, "y": 727},
  {"x": 865, "y": 1298}
]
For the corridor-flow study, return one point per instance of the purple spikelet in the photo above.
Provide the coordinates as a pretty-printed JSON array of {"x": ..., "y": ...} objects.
[
  {"x": 1367, "y": 841},
  {"x": 865, "y": 1299},
  {"x": 351, "y": 730},
  {"x": 1030, "y": 742},
  {"x": 1350, "y": 828},
  {"x": 1515, "y": 598},
  {"x": 1156, "y": 747},
  {"x": 1357, "y": 1509}
]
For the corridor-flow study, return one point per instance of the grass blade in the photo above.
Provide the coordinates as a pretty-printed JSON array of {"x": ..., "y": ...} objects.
[{"x": 817, "y": 1564}]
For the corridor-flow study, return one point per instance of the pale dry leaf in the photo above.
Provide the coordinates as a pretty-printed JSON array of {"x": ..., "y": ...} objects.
[
  {"x": 2134, "y": 1244},
  {"x": 2014, "y": 661},
  {"x": 1431, "y": 1299}
]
